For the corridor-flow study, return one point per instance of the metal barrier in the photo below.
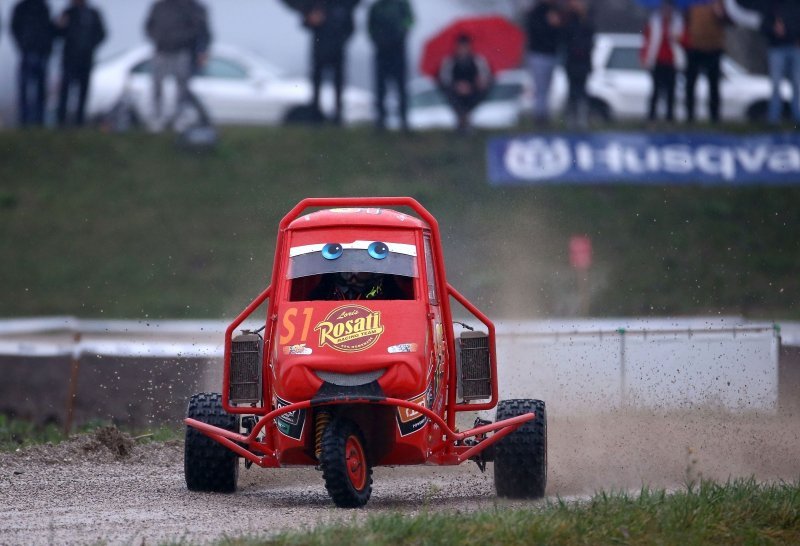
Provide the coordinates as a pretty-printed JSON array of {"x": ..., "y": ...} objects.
[{"x": 577, "y": 366}]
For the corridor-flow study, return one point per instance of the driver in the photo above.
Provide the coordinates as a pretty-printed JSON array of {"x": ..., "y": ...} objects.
[{"x": 350, "y": 285}]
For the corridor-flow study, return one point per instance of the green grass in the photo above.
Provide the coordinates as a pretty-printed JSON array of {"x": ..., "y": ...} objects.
[
  {"x": 16, "y": 433},
  {"x": 737, "y": 513},
  {"x": 131, "y": 226},
  {"x": 19, "y": 433}
]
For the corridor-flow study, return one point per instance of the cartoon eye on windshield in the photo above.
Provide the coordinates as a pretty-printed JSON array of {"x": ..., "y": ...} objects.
[
  {"x": 378, "y": 250},
  {"x": 331, "y": 251}
]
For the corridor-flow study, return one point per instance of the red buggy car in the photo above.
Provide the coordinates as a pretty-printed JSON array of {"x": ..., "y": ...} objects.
[{"x": 358, "y": 364}]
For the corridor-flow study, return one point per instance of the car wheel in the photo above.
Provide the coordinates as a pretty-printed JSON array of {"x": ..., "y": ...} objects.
[
  {"x": 345, "y": 466},
  {"x": 757, "y": 112},
  {"x": 599, "y": 112},
  {"x": 520, "y": 459},
  {"x": 305, "y": 114},
  {"x": 208, "y": 465}
]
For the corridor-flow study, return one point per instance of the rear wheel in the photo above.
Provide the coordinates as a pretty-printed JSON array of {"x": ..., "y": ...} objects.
[
  {"x": 208, "y": 465},
  {"x": 520, "y": 459},
  {"x": 599, "y": 113},
  {"x": 757, "y": 112},
  {"x": 345, "y": 467}
]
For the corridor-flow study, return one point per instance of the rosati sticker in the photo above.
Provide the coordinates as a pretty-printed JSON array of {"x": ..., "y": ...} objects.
[
  {"x": 290, "y": 424},
  {"x": 410, "y": 421},
  {"x": 350, "y": 329}
]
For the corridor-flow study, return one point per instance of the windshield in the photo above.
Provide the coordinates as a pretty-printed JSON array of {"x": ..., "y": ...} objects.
[
  {"x": 359, "y": 256},
  {"x": 353, "y": 271}
]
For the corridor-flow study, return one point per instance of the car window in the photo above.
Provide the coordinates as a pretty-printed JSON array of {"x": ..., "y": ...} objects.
[
  {"x": 315, "y": 263},
  {"x": 224, "y": 69},
  {"x": 216, "y": 67},
  {"x": 504, "y": 92},
  {"x": 374, "y": 270},
  {"x": 144, "y": 67},
  {"x": 431, "y": 97},
  {"x": 625, "y": 58},
  {"x": 732, "y": 68}
]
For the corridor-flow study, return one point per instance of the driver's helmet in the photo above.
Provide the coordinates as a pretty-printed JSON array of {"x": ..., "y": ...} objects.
[{"x": 354, "y": 285}]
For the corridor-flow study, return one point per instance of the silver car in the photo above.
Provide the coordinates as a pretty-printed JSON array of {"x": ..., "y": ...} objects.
[{"x": 236, "y": 86}]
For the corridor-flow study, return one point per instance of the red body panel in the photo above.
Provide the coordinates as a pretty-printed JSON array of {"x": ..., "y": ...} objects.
[{"x": 406, "y": 347}]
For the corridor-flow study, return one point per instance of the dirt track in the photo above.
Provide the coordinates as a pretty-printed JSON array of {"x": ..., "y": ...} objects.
[{"x": 82, "y": 491}]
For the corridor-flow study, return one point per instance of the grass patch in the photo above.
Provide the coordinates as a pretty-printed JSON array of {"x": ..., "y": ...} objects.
[
  {"x": 739, "y": 512},
  {"x": 16, "y": 433},
  {"x": 19, "y": 433},
  {"x": 131, "y": 226}
]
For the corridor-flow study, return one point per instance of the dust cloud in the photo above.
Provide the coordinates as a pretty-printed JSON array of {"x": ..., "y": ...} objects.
[{"x": 621, "y": 451}]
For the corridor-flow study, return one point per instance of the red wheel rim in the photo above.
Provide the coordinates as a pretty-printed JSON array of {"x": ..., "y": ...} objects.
[{"x": 356, "y": 463}]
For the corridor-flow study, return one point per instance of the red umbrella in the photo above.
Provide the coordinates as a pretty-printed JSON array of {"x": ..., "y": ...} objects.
[{"x": 494, "y": 37}]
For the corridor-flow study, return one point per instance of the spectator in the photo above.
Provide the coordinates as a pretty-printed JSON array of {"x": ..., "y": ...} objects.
[
  {"x": 704, "y": 41},
  {"x": 33, "y": 33},
  {"x": 389, "y": 23},
  {"x": 331, "y": 22},
  {"x": 663, "y": 56},
  {"x": 179, "y": 31},
  {"x": 82, "y": 30},
  {"x": 543, "y": 26},
  {"x": 781, "y": 27},
  {"x": 465, "y": 79},
  {"x": 579, "y": 43},
  {"x": 202, "y": 45}
]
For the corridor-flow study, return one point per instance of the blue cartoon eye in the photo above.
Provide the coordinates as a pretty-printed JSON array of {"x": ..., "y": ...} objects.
[
  {"x": 378, "y": 250},
  {"x": 331, "y": 251}
]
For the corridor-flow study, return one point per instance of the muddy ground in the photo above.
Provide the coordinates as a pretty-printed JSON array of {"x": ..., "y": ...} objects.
[{"x": 106, "y": 487}]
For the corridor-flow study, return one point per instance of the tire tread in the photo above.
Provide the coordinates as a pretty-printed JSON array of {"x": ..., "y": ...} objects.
[
  {"x": 332, "y": 461},
  {"x": 520, "y": 460},
  {"x": 208, "y": 465}
]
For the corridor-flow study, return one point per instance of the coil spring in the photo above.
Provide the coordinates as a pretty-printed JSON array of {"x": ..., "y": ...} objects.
[{"x": 323, "y": 418}]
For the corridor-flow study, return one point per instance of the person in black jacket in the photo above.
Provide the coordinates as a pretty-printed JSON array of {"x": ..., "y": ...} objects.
[
  {"x": 578, "y": 35},
  {"x": 331, "y": 22},
  {"x": 389, "y": 23},
  {"x": 465, "y": 77},
  {"x": 543, "y": 25},
  {"x": 82, "y": 30},
  {"x": 781, "y": 27},
  {"x": 33, "y": 34}
]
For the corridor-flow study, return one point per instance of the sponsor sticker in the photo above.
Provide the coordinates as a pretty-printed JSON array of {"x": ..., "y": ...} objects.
[
  {"x": 350, "y": 329},
  {"x": 410, "y": 421},
  {"x": 299, "y": 349},
  {"x": 290, "y": 424}
]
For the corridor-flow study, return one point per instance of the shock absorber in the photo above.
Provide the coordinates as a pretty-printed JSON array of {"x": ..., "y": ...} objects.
[{"x": 323, "y": 417}]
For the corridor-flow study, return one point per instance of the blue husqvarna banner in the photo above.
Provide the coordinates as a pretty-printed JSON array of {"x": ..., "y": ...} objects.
[{"x": 640, "y": 158}]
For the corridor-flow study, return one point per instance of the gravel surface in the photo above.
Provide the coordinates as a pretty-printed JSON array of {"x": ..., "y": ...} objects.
[{"x": 106, "y": 487}]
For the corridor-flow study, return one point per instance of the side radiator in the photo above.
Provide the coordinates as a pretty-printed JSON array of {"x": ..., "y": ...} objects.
[
  {"x": 475, "y": 377},
  {"x": 245, "y": 372}
]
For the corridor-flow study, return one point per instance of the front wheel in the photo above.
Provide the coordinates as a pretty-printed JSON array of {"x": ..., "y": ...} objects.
[
  {"x": 520, "y": 459},
  {"x": 208, "y": 465},
  {"x": 345, "y": 467}
]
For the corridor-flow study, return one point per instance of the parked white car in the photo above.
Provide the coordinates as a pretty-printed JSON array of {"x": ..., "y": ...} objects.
[
  {"x": 619, "y": 88},
  {"x": 236, "y": 86},
  {"x": 510, "y": 98}
]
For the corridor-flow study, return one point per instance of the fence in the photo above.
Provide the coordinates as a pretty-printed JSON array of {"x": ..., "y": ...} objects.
[
  {"x": 64, "y": 369},
  {"x": 594, "y": 366}
]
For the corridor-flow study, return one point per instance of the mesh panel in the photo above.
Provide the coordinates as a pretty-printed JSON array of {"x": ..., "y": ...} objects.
[
  {"x": 245, "y": 373},
  {"x": 476, "y": 380}
]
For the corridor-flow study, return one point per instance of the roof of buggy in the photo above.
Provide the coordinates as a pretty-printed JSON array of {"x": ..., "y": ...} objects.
[{"x": 354, "y": 217}]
